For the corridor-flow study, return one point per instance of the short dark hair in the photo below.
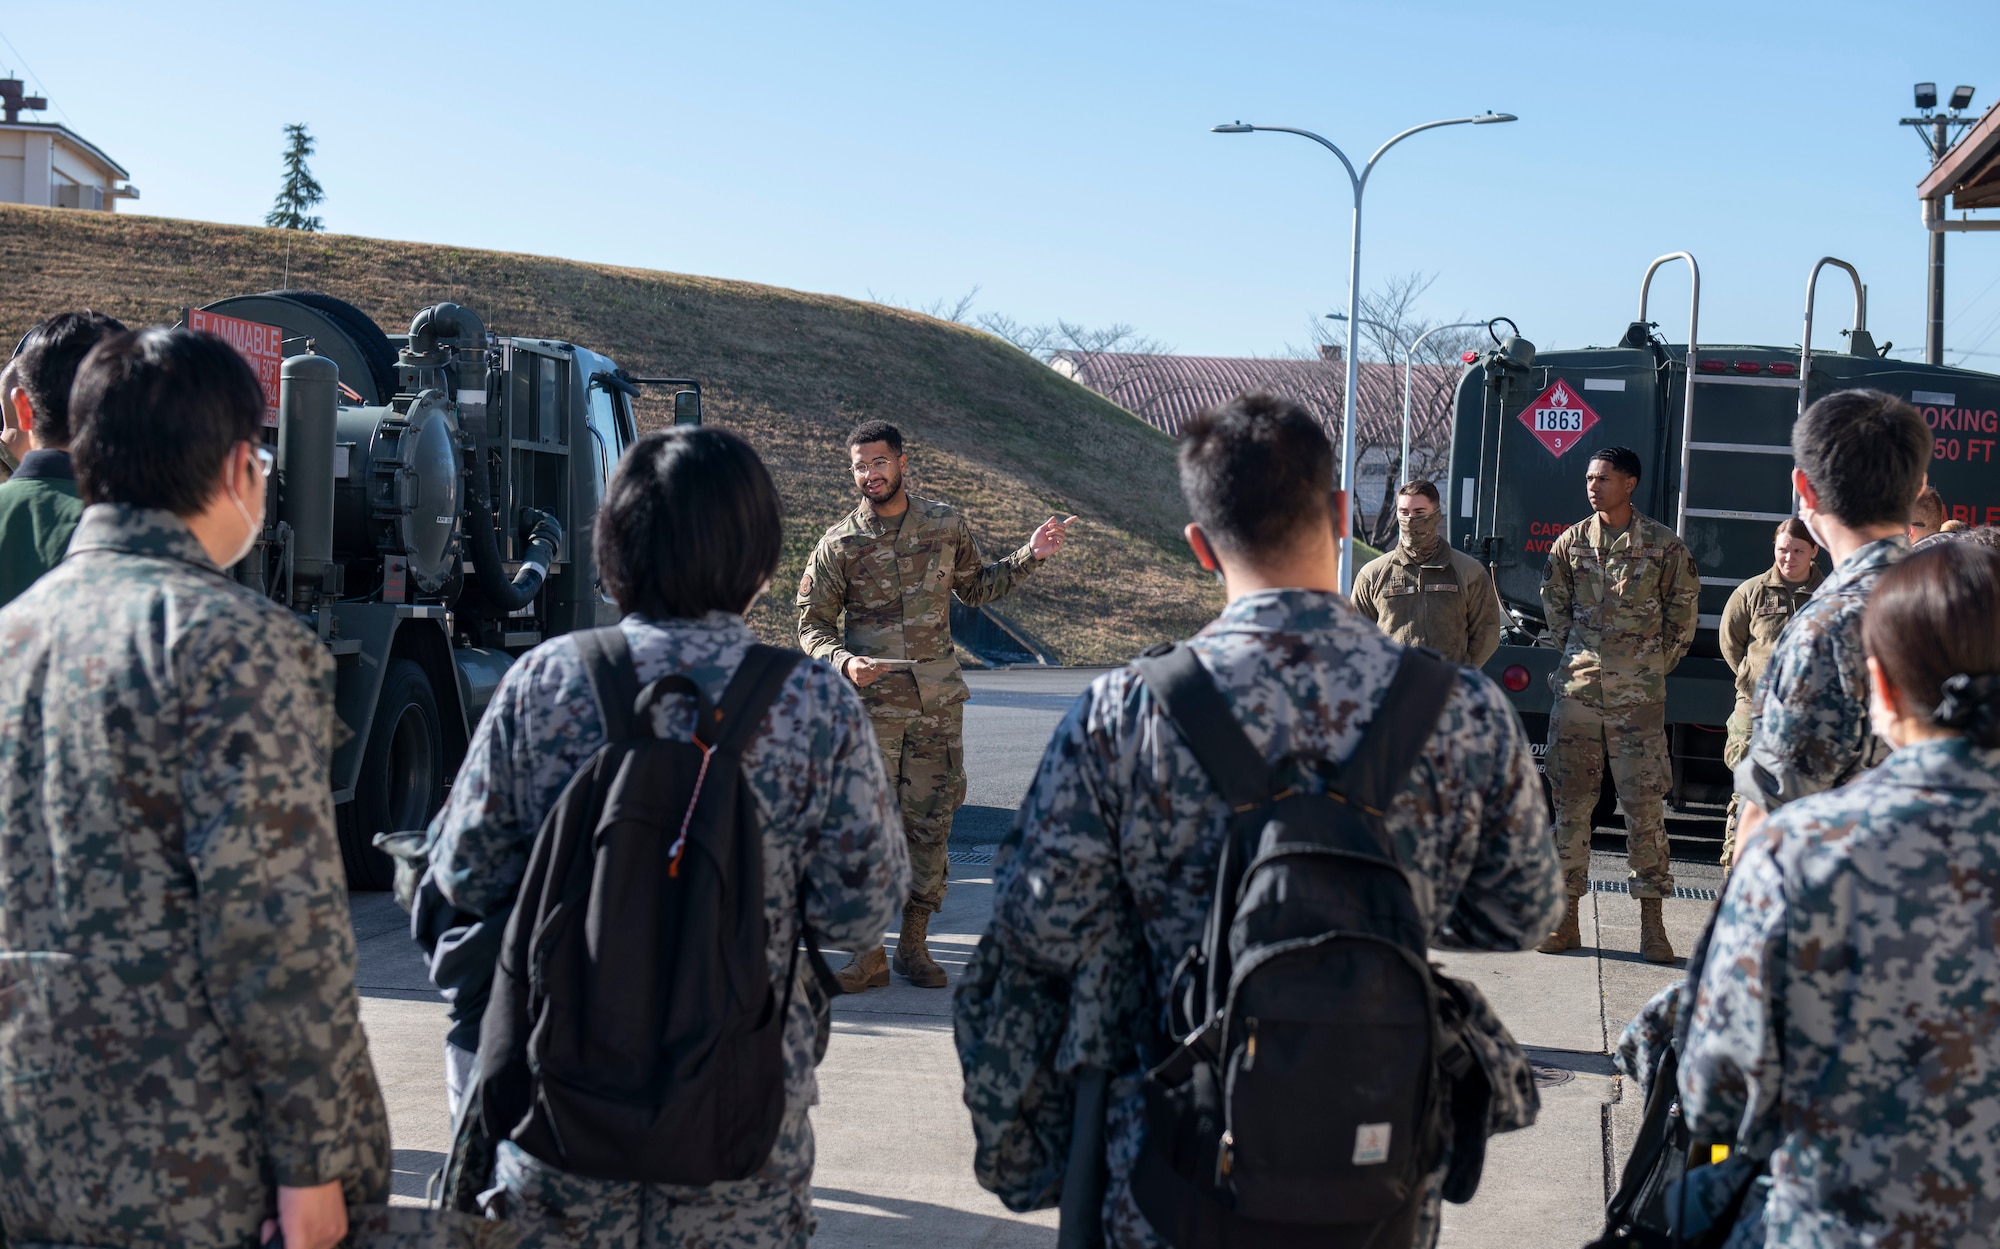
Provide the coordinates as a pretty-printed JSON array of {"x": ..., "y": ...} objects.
[
  {"x": 1621, "y": 459},
  {"x": 876, "y": 431},
  {"x": 1928, "y": 507},
  {"x": 157, "y": 412},
  {"x": 1864, "y": 452},
  {"x": 1915, "y": 628},
  {"x": 1257, "y": 473},
  {"x": 691, "y": 524},
  {"x": 46, "y": 365},
  {"x": 1424, "y": 488},
  {"x": 1793, "y": 527}
]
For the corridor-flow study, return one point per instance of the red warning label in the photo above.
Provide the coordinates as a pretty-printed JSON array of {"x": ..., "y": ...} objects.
[{"x": 1559, "y": 418}]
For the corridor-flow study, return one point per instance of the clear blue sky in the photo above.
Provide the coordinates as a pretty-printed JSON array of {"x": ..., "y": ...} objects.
[{"x": 1057, "y": 155}]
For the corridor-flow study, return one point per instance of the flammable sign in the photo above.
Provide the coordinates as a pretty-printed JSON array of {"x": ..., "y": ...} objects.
[{"x": 1559, "y": 418}]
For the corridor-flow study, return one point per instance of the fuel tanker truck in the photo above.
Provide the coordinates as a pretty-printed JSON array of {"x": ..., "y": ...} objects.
[
  {"x": 1712, "y": 424},
  {"x": 429, "y": 521}
]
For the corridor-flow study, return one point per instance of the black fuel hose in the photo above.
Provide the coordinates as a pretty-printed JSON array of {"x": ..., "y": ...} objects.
[{"x": 542, "y": 543}]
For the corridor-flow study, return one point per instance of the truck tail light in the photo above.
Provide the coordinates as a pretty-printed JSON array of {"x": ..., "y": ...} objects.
[
  {"x": 1469, "y": 357},
  {"x": 1515, "y": 678},
  {"x": 1783, "y": 368},
  {"x": 1714, "y": 366},
  {"x": 1749, "y": 366}
]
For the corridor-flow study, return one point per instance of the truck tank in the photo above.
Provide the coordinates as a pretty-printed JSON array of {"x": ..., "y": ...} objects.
[{"x": 1717, "y": 468}]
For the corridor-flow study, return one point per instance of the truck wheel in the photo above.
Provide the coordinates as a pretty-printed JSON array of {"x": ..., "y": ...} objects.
[{"x": 402, "y": 779}]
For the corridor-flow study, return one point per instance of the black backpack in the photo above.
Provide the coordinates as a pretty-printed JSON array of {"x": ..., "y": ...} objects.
[
  {"x": 633, "y": 1032},
  {"x": 1311, "y": 1091}
]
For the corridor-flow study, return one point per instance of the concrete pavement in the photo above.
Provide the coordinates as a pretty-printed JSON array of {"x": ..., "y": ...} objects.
[{"x": 894, "y": 1141}]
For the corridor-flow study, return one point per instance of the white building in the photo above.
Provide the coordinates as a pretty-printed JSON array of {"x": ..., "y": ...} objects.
[{"x": 47, "y": 164}]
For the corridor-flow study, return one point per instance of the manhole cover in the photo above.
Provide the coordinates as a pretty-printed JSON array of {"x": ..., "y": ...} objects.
[{"x": 1548, "y": 1077}]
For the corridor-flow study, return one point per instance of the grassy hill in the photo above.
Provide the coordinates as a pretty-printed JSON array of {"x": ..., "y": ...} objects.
[{"x": 991, "y": 431}]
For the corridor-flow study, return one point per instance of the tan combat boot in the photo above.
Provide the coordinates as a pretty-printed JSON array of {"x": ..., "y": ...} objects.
[
  {"x": 913, "y": 955},
  {"x": 1653, "y": 944},
  {"x": 1567, "y": 935},
  {"x": 866, "y": 970}
]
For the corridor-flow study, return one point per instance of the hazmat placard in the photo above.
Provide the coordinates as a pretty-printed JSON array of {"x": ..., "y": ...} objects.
[
  {"x": 1559, "y": 418},
  {"x": 262, "y": 345}
]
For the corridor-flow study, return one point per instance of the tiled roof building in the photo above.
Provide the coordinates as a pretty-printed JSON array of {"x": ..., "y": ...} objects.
[{"x": 1166, "y": 391}]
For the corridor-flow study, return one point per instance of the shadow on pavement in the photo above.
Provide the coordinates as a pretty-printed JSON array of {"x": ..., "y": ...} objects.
[
  {"x": 852, "y": 1218},
  {"x": 980, "y": 826},
  {"x": 411, "y": 1169}
]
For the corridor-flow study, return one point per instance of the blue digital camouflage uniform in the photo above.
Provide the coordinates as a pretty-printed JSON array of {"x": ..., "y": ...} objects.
[
  {"x": 1811, "y": 731},
  {"x": 179, "y": 1030},
  {"x": 1847, "y": 1025},
  {"x": 892, "y": 581},
  {"x": 828, "y": 817},
  {"x": 1621, "y": 604},
  {"x": 1105, "y": 881},
  {"x": 1752, "y": 622}
]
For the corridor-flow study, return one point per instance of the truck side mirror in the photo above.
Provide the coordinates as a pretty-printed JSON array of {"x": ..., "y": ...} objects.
[{"x": 687, "y": 407}]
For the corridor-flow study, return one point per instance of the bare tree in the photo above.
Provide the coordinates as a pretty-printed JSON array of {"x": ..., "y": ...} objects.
[
  {"x": 1389, "y": 325},
  {"x": 955, "y": 311}
]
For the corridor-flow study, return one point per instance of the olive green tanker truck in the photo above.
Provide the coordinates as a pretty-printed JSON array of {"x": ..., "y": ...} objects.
[
  {"x": 1711, "y": 423},
  {"x": 429, "y": 521}
]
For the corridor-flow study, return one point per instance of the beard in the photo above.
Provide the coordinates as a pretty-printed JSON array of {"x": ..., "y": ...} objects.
[{"x": 892, "y": 485}]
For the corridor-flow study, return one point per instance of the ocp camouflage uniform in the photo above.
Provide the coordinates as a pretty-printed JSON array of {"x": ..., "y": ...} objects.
[
  {"x": 1442, "y": 599},
  {"x": 1845, "y": 1023},
  {"x": 824, "y": 807},
  {"x": 1811, "y": 730},
  {"x": 893, "y": 579},
  {"x": 179, "y": 1030},
  {"x": 1757, "y": 612},
  {"x": 1620, "y": 603},
  {"x": 1105, "y": 881}
]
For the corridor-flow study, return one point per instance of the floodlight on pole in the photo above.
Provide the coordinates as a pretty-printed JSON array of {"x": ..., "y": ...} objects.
[
  {"x": 1359, "y": 182},
  {"x": 1936, "y": 130}
]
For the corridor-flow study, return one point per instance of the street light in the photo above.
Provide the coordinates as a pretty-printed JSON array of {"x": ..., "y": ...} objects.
[
  {"x": 1359, "y": 181},
  {"x": 1408, "y": 358}
]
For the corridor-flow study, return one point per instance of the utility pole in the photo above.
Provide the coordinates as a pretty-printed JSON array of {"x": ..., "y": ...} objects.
[{"x": 1935, "y": 130}]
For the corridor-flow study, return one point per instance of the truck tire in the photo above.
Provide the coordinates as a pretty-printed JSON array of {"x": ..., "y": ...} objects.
[{"x": 402, "y": 779}]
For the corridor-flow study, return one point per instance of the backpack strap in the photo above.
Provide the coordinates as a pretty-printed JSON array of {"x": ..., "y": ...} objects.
[
  {"x": 1187, "y": 693},
  {"x": 758, "y": 679},
  {"x": 614, "y": 682},
  {"x": 1395, "y": 739}
]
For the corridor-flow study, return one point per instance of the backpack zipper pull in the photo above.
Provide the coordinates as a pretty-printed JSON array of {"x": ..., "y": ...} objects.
[
  {"x": 680, "y": 842},
  {"x": 1225, "y": 1158}
]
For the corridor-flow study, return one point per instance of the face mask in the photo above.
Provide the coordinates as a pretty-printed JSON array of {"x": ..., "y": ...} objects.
[
  {"x": 1881, "y": 719},
  {"x": 1419, "y": 533},
  {"x": 249, "y": 530},
  {"x": 1806, "y": 517}
]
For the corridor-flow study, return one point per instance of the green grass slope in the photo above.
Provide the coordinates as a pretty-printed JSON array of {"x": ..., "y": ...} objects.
[{"x": 991, "y": 431}]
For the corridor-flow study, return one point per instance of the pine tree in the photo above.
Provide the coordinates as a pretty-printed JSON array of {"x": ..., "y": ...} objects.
[{"x": 300, "y": 190}]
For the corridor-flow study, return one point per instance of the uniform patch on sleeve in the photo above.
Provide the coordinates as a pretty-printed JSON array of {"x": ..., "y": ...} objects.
[
  {"x": 806, "y": 584},
  {"x": 1548, "y": 569}
]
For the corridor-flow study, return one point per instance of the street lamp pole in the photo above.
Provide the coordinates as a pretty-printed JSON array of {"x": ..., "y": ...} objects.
[{"x": 1359, "y": 181}]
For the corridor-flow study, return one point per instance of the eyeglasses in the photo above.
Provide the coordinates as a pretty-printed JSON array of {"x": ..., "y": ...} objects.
[
  {"x": 266, "y": 460},
  {"x": 875, "y": 465}
]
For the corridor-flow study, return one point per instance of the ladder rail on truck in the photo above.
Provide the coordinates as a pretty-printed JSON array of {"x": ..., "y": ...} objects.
[{"x": 1712, "y": 426}]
